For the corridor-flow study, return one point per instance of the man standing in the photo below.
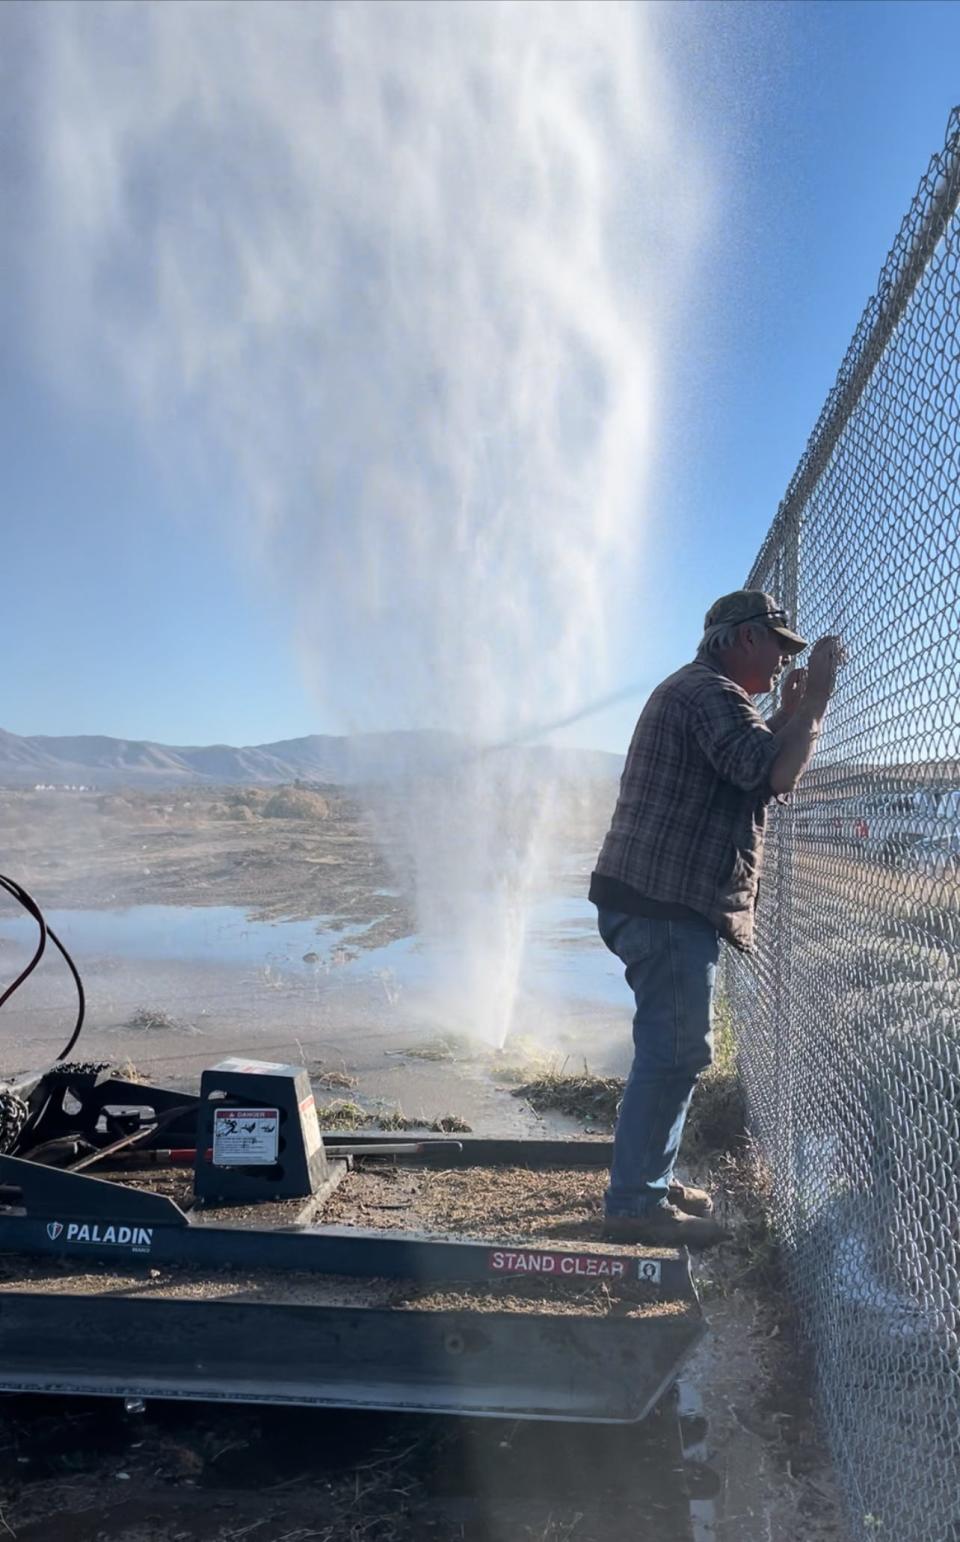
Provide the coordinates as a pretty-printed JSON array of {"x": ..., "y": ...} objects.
[{"x": 680, "y": 868}]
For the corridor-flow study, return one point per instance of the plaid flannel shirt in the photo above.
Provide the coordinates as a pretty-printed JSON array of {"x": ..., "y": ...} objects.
[{"x": 689, "y": 822}]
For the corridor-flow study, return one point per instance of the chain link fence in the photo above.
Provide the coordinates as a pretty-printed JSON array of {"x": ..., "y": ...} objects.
[{"x": 849, "y": 1015}]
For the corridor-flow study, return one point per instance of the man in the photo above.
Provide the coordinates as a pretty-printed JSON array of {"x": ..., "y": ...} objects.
[{"x": 680, "y": 868}]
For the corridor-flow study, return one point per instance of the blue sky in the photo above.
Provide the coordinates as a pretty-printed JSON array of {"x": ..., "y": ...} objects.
[{"x": 138, "y": 606}]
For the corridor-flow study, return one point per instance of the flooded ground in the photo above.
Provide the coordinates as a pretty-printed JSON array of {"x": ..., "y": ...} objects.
[
  {"x": 209, "y": 980},
  {"x": 176, "y": 982}
]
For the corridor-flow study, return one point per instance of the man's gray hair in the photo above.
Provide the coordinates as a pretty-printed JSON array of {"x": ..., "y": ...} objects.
[{"x": 717, "y": 639}]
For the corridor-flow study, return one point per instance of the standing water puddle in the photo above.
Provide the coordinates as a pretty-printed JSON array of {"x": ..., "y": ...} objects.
[
  {"x": 562, "y": 945},
  {"x": 205, "y": 964}
]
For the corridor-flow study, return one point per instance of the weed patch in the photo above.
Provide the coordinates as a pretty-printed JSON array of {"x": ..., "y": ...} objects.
[
  {"x": 345, "y": 1114},
  {"x": 445, "y": 1047},
  {"x": 717, "y": 1120},
  {"x": 333, "y": 1081},
  {"x": 155, "y": 1020},
  {"x": 592, "y": 1099}
]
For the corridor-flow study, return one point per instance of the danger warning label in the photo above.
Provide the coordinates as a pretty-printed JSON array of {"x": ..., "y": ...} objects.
[{"x": 245, "y": 1137}]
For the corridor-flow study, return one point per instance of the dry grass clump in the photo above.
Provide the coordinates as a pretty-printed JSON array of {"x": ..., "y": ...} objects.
[
  {"x": 445, "y": 1047},
  {"x": 155, "y": 1020},
  {"x": 717, "y": 1119},
  {"x": 239, "y": 803},
  {"x": 114, "y": 803},
  {"x": 396, "y": 1119},
  {"x": 593, "y": 1099},
  {"x": 249, "y": 798},
  {"x": 742, "y": 1188},
  {"x": 345, "y": 1114},
  {"x": 450, "y": 1124},
  {"x": 522, "y": 1059},
  {"x": 249, "y": 803},
  {"x": 444, "y": 1124},
  {"x": 128, "y": 1072},
  {"x": 295, "y": 803},
  {"x": 333, "y": 1081}
]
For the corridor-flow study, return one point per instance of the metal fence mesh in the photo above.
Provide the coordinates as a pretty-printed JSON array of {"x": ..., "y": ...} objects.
[{"x": 849, "y": 1016}]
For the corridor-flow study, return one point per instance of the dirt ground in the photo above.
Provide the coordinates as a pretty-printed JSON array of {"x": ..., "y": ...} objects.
[
  {"x": 732, "y": 1456},
  {"x": 313, "y": 855},
  {"x": 206, "y": 1474},
  {"x": 281, "y": 853}
]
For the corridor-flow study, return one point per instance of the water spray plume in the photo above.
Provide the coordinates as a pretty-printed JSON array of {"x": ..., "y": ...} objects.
[{"x": 398, "y": 273}]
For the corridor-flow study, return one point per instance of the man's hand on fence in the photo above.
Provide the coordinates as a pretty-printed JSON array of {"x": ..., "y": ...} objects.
[
  {"x": 798, "y": 736},
  {"x": 826, "y": 656},
  {"x": 791, "y": 694}
]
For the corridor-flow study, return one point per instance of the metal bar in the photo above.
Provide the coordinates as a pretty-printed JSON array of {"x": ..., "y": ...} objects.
[
  {"x": 72, "y": 1214},
  {"x": 480, "y": 1151},
  {"x": 398, "y": 1149},
  {"x": 186, "y": 1156},
  {"x": 133, "y": 1139},
  {"x": 346, "y": 1250},
  {"x": 54, "y": 1192},
  {"x": 494, "y": 1364}
]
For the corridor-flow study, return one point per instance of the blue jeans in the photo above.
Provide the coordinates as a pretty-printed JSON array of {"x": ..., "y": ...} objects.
[{"x": 671, "y": 967}]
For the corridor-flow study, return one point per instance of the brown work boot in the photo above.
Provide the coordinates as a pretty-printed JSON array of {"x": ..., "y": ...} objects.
[
  {"x": 665, "y": 1226},
  {"x": 691, "y": 1201}
]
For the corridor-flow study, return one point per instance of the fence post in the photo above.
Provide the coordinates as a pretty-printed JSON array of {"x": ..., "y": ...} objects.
[{"x": 786, "y": 1159}]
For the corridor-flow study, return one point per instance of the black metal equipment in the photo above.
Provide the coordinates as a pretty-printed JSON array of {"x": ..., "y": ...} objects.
[
  {"x": 81, "y": 1309},
  {"x": 257, "y": 1133},
  {"x": 109, "y": 1287}
]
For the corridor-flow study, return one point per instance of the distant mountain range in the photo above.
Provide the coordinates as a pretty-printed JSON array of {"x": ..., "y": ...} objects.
[{"x": 93, "y": 760}]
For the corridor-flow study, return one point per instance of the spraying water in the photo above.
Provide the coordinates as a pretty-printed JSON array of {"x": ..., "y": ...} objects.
[{"x": 398, "y": 272}]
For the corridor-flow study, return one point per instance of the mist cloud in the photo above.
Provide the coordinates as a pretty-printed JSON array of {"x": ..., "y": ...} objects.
[
  {"x": 403, "y": 268},
  {"x": 405, "y": 274}
]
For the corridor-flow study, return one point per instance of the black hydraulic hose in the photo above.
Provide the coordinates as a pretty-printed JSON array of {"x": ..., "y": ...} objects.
[
  {"x": 81, "y": 995},
  {"x": 32, "y": 908},
  {"x": 30, "y": 905}
]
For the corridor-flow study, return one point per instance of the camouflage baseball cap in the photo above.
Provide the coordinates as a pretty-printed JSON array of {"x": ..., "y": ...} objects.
[{"x": 754, "y": 605}]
